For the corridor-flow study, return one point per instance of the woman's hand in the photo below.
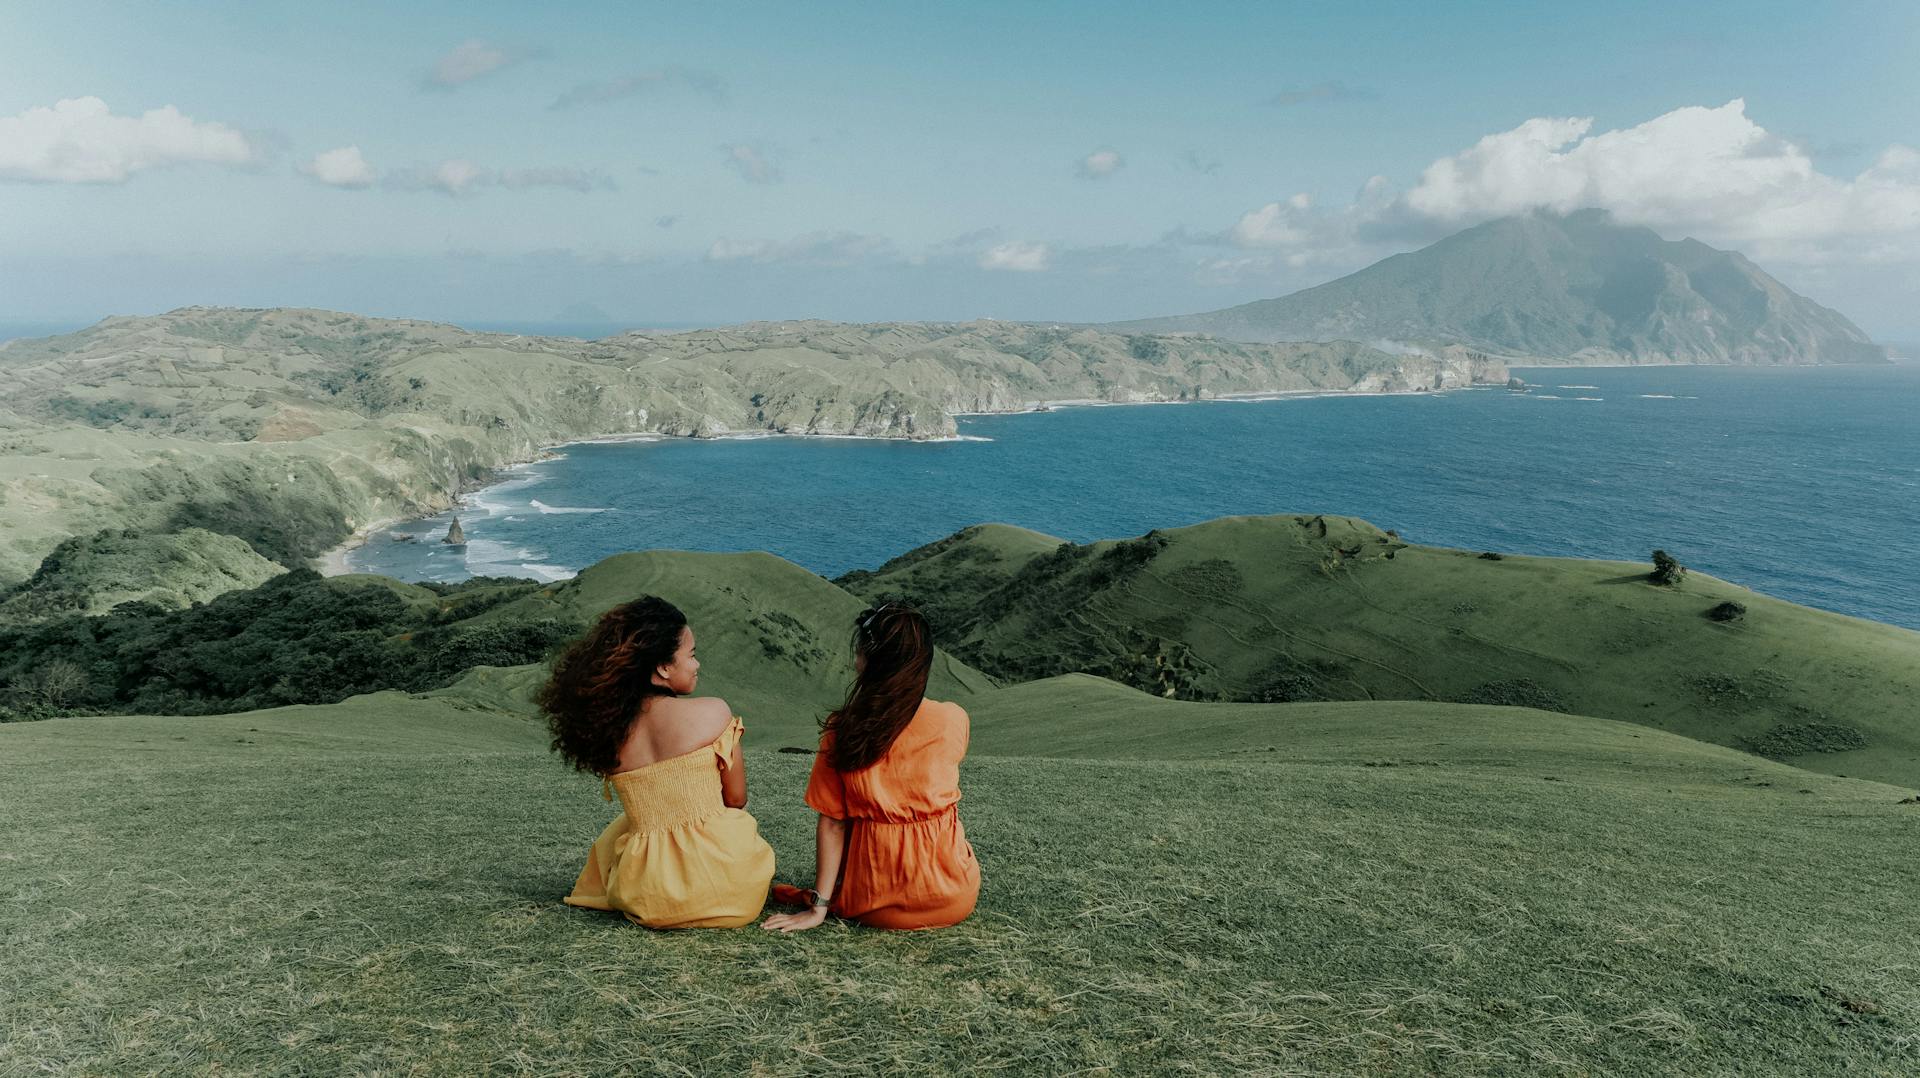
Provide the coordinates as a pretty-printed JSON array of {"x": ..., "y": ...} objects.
[{"x": 812, "y": 917}]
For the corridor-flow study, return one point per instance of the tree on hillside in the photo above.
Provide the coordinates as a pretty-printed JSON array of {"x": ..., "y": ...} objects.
[{"x": 1666, "y": 570}]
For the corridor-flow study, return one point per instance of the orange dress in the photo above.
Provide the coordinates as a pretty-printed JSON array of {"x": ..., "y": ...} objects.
[{"x": 907, "y": 864}]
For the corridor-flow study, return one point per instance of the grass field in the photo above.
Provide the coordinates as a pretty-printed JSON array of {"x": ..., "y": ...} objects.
[{"x": 1170, "y": 888}]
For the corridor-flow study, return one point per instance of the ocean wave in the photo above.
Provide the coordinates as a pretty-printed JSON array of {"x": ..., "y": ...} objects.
[
  {"x": 545, "y": 508},
  {"x": 1658, "y": 397},
  {"x": 1589, "y": 398},
  {"x": 1576, "y": 387},
  {"x": 548, "y": 573},
  {"x": 488, "y": 557}
]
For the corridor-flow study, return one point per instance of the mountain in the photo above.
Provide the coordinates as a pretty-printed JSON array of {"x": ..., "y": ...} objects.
[
  {"x": 1574, "y": 289},
  {"x": 292, "y": 429}
]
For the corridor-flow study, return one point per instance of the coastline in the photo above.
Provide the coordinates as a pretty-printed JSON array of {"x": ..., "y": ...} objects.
[{"x": 334, "y": 562}]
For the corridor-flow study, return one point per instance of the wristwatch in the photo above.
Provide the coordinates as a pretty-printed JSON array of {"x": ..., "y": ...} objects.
[{"x": 815, "y": 899}]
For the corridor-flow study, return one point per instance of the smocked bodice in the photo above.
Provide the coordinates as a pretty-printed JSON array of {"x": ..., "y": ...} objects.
[{"x": 680, "y": 790}]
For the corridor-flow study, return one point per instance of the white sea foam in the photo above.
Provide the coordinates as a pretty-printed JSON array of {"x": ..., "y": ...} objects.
[
  {"x": 1658, "y": 396},
  {"x": 547, "y": 573},
  {"x": 1543, "y": 396},
  {"x": 1576, "y": 387},
  {"x": 549, "y": 509},
  {"x": 1589, "y": 398},
  {"x": 488, "y": 557}
]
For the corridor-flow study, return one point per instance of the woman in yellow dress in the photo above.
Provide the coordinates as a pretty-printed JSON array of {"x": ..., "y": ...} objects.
[{"x": 683, "y": 853}]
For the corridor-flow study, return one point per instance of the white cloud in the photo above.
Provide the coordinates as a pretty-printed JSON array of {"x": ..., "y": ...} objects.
[
  {"x": 812, "y": 249},
  {"x": 79, "y": 140},
  {"x": 343, "y": 167},
  {"x": 1276, "y": 224},
  {"x": 471, "y": 60},
  {"x": 1710, "y": 172},
  {"x": 455, "y": 176},
  {"x": 1017, "y": 256},
  {"x": 1101, "y": 164},
  {"x": 704, "y": 83},
  {"x": 752, "y": 163}
]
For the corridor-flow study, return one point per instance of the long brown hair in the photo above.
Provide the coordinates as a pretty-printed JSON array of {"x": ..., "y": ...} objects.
[
  {"x": 602, "y": 680},
  {"x": 898, "y": 649}
]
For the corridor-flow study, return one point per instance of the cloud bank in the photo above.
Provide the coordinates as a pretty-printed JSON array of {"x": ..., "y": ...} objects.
[
  {"x": 80, "y": 140},
  {"x": 1710, "y": 173}
]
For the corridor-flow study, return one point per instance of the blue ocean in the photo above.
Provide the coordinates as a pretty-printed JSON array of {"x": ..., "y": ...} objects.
[{"x": 1802, "y": 483}]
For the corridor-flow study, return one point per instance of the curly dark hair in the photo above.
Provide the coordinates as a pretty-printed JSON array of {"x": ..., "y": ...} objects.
[
  {"x": 602, "y": 680},
  {"x": 898, "y": 648}
]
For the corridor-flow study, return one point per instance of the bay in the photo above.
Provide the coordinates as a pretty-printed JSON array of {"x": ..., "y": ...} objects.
[{"x": 1802, "y": 483}]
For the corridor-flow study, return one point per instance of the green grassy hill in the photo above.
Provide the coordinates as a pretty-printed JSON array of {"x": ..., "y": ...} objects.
[
  {"x": 774, "y": 639},
  {"x": 1169, "y": 888},
  {"x": 1293, "y": 608}
]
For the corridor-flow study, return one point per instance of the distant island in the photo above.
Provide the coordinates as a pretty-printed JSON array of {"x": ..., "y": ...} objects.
[{"x": 1545, "y": 289}]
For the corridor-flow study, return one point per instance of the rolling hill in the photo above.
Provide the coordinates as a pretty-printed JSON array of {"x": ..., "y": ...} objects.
[
  {"x": 1361, "y": 884},
  {"x": 1573, "y": 289},
  {"x": 1295, "y": 608}
]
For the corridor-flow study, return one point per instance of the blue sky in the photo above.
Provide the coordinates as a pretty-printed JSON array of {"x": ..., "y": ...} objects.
[{"x": 722, "y": 162}]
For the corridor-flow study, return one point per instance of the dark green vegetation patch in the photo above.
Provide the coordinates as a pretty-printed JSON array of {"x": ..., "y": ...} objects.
[
  {"x": 1517, "y": 692},
  {"x": 1731, "y": 610},
  {"x": 1789, "y": 740},
  {"x": 297, "y": 639}
]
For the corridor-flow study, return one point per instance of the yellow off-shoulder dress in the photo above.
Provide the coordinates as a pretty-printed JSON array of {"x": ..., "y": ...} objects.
[{"x": 677, "y": 856}]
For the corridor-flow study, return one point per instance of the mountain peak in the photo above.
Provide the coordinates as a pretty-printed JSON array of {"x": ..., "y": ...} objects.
[{"x": 1578, "y": 287}]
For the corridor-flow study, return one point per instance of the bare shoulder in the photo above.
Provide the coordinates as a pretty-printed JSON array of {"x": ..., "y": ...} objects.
[
  {"x": 954, "y": 712},
  {"x": 703, "y": 716}
]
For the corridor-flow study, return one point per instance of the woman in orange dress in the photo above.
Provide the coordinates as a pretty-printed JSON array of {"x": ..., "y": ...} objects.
[
  {"x": 683, "y": 853},
  {"x": 890, "y": 851}
]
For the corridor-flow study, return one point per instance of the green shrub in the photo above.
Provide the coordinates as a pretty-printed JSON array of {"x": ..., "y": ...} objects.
[
  {"x": 1728, "y": 611},
  {"x": 1666, "y": 571}
]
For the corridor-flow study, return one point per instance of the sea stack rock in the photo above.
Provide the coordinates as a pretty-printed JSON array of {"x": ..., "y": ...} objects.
[{"x": 455, "y": 537}]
